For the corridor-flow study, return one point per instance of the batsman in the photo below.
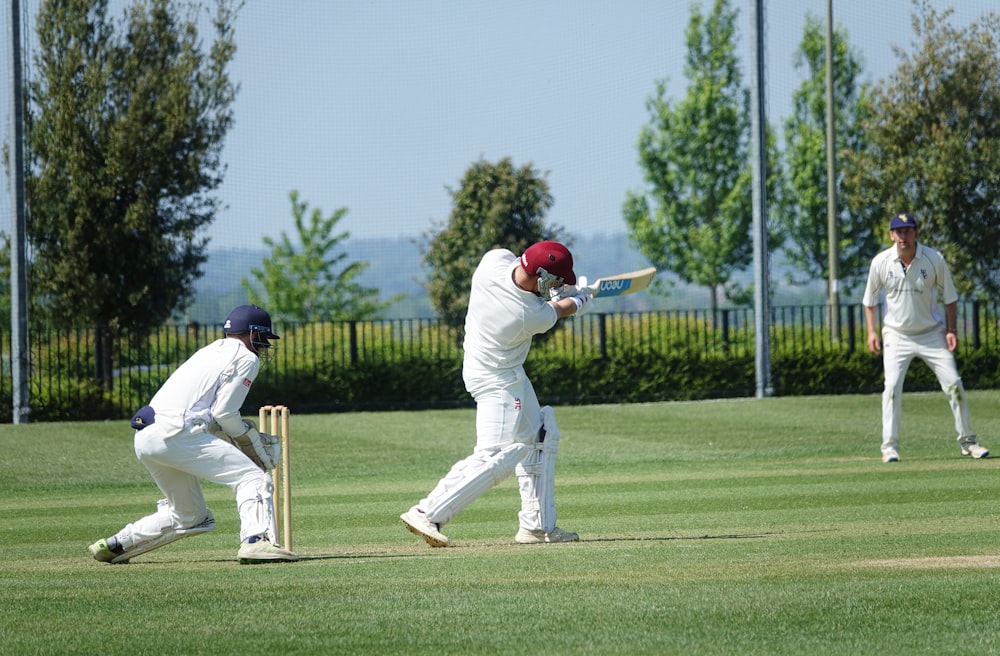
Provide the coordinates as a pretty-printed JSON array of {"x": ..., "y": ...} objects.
[
  {"x": 192, "y": 430},
  {"x": 512, "y": 300}
]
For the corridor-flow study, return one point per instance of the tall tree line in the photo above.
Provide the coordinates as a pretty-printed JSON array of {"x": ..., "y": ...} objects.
[
  {"x": 124, "y": 128},
  {"x": 127, "y": 120},
  {"x": 923, "y": 142}
]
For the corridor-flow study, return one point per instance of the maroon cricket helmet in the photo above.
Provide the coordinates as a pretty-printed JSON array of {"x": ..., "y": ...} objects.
[{"x": 551, "y": 256}]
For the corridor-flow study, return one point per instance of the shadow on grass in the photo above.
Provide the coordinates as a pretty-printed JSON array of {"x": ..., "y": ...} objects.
[
  {"x": 350, "y": 556},
  {"x": 233, "y": 561},
  {"x": 724, "y": 536}
]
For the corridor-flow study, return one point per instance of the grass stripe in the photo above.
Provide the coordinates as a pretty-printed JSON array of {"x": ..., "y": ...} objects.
[{"x": 730, "y": 527}]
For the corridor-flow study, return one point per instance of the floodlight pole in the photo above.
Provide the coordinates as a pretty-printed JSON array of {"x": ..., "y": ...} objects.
[
  {"x": 758, "y": 146},
  {"x": 18, "y": 248},
  {"x": 833, "y": 236}
]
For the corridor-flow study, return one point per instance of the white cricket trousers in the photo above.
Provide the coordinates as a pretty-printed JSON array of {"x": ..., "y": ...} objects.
[
  {"x": 508, "y": 419},
  {"x": 898, "y": 351},
  {"x": 178, "y": 462}
]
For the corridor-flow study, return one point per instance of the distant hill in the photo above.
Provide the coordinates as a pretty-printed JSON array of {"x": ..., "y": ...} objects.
[{"x": 394, "y": 267}]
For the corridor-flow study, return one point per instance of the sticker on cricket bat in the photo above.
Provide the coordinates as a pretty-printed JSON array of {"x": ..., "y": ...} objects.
[{"x": 624, "y": 283}]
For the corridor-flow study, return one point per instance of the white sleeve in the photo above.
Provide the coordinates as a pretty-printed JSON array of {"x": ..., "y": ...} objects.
[
  {"x": 234, "y": 385},
  {"x": 874, "y": 284},
  {"x": 948, "y": 292},
  {"x": 541, "y": 319}
]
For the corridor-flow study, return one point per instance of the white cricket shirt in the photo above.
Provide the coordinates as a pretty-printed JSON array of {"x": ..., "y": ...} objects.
[
  {"x": 502, "y": 317},
  {"x": 911, "y": 305},
  {"x": 211, "y": 385}
]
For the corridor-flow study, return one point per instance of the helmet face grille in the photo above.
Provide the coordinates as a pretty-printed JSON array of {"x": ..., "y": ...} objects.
[
  {"x": 260, "y": 344},
  {"x": 547, "y": 283}
]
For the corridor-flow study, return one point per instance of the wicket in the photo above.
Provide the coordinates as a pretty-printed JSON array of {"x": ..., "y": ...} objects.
[{"x": 270, "y": 415}]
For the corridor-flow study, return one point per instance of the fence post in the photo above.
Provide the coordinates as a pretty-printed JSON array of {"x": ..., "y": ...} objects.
[
  {"x": 99, "y": 354},
  {"x": 850, "y": 330},
  {"x": 725, "y": 332},
  {"x": 352, "y": 327},
  {"x": 976, "y": 338},
  {"x": 602, "y": 331}
]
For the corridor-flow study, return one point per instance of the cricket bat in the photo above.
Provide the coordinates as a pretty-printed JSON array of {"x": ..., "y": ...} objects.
[{"x": 623, "y": 283}]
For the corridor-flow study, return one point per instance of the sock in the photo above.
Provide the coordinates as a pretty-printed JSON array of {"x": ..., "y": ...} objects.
[{"x": 114, "y": 545}]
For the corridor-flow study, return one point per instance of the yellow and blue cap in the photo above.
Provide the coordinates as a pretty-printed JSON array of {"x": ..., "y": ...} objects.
[{"x": 902, "y": 221}]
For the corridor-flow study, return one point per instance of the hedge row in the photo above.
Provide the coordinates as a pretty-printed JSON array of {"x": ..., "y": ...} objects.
[
  {"x": 630, "y": 377},
  {"x": 562, "y": 375}
]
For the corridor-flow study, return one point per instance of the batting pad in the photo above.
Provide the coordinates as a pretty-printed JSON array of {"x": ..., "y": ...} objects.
[
  {"x": 536, "y": 476},
  {"x": 154, "y": 531}
]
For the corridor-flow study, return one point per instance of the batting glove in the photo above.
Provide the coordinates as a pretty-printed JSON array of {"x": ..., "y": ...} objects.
[
  {"x": 585, "y": 288},
  {"x": 582, "y": 303},
  {"x": 574, "y": 290}
]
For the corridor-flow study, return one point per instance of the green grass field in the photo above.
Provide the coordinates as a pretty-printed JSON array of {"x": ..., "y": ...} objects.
[{"x": 729, "y": 527}]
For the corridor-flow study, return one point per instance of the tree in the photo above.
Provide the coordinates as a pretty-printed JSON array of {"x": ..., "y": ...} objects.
[
  {"x": 934, "y": 145},
  {"x": 804, "y": 216},
  {"x": 495, "y": 206},
  {"x": 695, "y": 219},
  {"x": 302, "y": 283},
  {"x": 125, "y": 128}
]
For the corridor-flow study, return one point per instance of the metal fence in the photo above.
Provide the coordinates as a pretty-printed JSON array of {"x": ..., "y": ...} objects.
[
  {"x": 723, "y": 332},
  {"x": 66, "y": 365}
]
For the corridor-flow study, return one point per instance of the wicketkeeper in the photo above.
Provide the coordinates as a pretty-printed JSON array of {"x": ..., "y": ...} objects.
[
  {"x": 192, "y": 430},
  {"x": 512, "y": 300}
]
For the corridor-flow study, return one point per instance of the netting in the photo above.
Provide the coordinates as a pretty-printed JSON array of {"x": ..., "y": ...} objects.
[{"x": 380, "y": 107}]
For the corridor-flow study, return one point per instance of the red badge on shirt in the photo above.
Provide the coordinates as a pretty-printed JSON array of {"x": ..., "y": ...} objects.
[
  {"x": 247, "y": 382},
  {"x": 517, "y": 404}
]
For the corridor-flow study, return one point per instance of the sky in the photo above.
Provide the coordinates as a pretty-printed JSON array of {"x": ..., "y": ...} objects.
[{"x": 379, "y": 107}]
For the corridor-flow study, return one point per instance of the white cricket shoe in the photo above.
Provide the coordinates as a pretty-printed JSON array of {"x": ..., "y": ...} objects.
[
  {"x": 890, "y": 456},
  {"x": 974, "y": 449},
  {"x": 418, "y": 524},
  {"x": 538, "y": 536},
  {"x": 103, "y": 553},
  {"x": 263, "y": 551}
]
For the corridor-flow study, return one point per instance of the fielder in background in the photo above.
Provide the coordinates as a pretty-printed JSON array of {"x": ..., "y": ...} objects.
[
  {"x": 911, "y": 275},
  {"x": 512, "y": 300},
  {"x": 192, "y": 430}
]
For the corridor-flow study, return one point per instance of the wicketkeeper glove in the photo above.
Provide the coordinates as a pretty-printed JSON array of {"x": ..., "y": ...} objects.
[{"x": 263, "y": 449}]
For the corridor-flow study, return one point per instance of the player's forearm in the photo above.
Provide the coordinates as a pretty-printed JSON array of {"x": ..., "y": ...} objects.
[
  {"x": 564, "y": 307},
  {"x": 870, "y": 320},
  {"x": 951, "y": 317}
]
